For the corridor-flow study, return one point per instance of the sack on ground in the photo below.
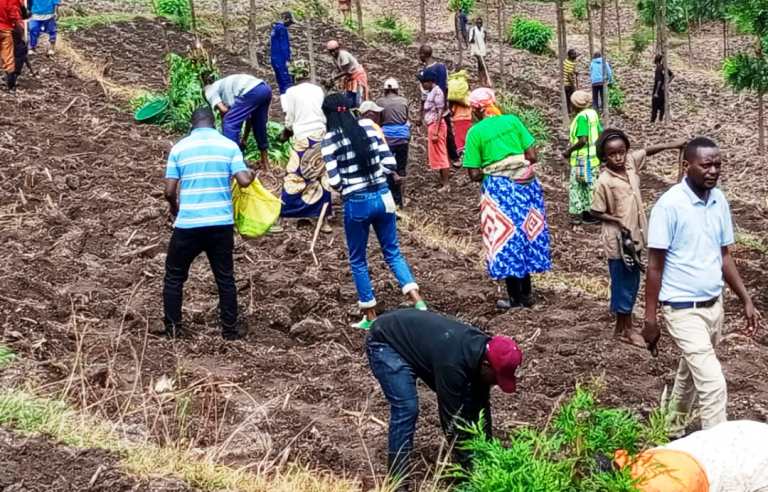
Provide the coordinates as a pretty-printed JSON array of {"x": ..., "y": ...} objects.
[
  {"x": 256, "y": 209},
  {"x": 458, "y": 87}
]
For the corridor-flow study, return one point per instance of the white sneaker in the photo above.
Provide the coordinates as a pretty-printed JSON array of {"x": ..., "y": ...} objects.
[
  {"x": 32, "y": 52},
  {"x": 51, "y": 52}
]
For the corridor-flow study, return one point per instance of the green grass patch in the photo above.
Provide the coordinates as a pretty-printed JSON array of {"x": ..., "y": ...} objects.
[
  {"x": 392, "y": 29},
  {"x": 573, "y": 452},
  {"x": 7, "y": 356},
  {"x": 78, "y": 22},
  {"x": 532, "y": 117},
  {"x": 177, "y": 11},
  {"x": 752, "y": 242}
]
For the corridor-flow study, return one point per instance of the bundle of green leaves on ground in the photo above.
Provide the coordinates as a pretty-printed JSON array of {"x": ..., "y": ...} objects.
[
  {"x": 393, "y": 29},
  {"x": 177, "y": 11},
  {"x": 279, "y": 152},
  {"x": 531, "y": 117},
  {"x": 572, "y": 453},
  {"x": 185, "y": 87},
  {"x": 530, "y": 35}
]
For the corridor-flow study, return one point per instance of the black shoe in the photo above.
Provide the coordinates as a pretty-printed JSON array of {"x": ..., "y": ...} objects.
[
  {"x": 506, "y": 305},
  {"x": 231, "y": 336},
  {"x": 588, "y": 219},
  {"x": 173, "y": 332},
  {"x": 528, "y": 301}
]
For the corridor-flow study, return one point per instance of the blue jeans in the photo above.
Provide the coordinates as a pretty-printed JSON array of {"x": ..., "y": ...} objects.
[
  {"x": 398, "y": 382},
  {"x": 37, "y": 26},
  {"x": 252, "y": 106},
  {"x": 361, "y": 211}
]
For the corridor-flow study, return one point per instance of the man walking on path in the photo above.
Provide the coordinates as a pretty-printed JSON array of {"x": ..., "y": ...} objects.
[
  {"x": 570, "y": 77},
  {"x": 457, "y": 361},
  {"x": 280, "y": 51},
  {"x": 242, "y": 98},
  {"x": 440, "y": 73},
  {"x": 397, "y": 131},
  {"x": 689, "y": 236},
  {"x": 477, "y": 40},
  {"x": 43, "y": 20},
  {"x": 658, "y": 97},
  {"x": 10, "y": 15},
  {"x": 197, "y": 187}
]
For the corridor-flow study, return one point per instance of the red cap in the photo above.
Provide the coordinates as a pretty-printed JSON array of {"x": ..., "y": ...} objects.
[{"x": 504, "y": 356}]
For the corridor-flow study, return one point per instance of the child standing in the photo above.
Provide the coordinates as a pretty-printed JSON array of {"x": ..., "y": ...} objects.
[
  {"x": 618, "y": 204},
  {"x": 43, "y": 20},
  {"x": 437, "y": 129}
]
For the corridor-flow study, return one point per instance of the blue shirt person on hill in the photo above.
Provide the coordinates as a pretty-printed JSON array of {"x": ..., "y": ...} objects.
[
  {"x": 596, "y": 77},
  {"x": 280, "y": 51}
]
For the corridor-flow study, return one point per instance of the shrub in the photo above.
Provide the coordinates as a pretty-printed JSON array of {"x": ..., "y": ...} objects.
[
  {"x": 176, "y": 10},
  {"x": 531, "y": 35},
  {"x": 615, "y": 96},
  {"x": 531, "y": 117},
  {"x": 185, "y": 88},
  {"x": 579, "y": 8},
  {"x": 570, "y": 454},
  {"x": 641, "y": 39},
  {"x": 349, "y": 24},
  {"x": 465, "y": 5},
  {"x": 304, "y": 9},
  {"x": 676, "y": 13},
  {"x": 392, "y": 29}
]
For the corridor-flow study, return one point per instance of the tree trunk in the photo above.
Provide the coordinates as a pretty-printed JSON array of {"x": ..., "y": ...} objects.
[
  {"x": 500, "y": 21},
  {"x": 422, "y": 20},
  {"x": 359, "y": 9},
  {"x": 690, "y": 44},
  {"x": 589, "y": 29},
  {"x": 193, "y": 19},
  {"x": 253, "y": 47},
  {"x": 311, "y": 51},
  {"x": 725, "y": 39},
  {"x": 225, "y": 25},
  {"x": 562, "y": 47},
  {"x": 665, "y": 59},
  {"x": 459, "y": 40},
  {"x": 606, "y": 110},
  {"x": 618, "y": 21},
  {"x": 760, "y": 124}
]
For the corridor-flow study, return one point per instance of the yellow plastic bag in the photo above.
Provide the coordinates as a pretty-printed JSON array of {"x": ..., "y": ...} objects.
[
  {"x": 256, "y": 209},
  {"x": 458, "y": 87}
]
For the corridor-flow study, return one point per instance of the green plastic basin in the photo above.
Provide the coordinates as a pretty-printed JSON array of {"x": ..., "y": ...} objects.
[{"x": 151, "y": 112}]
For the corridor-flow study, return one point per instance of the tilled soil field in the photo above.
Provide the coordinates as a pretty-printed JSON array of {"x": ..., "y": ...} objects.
[{"x": 85, "y": 229}]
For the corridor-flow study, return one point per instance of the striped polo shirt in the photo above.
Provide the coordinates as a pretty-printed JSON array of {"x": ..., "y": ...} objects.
[
  {"x": 204, "y": 163},
  {"x": 343, "y": 172},
  {"x": 569, "y": 70}
]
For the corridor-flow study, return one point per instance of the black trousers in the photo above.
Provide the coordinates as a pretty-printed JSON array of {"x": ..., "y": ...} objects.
[
  {"x": 569, "y": 90},
  {"x": 657, "y": 108},
  {"x": 450, "y": 141},
  {"x": 217, "y": 242},
  {"x": 518, "y": 289},
  {"x": 400, "y": 152},
  {"x": 597, "y": 97}
]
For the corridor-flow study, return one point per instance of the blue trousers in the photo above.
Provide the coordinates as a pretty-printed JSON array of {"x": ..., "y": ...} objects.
[
  {"x": 36, "y": 27},
  {"x": 253, "y": 106},
  {"x": 284, "y": 79},
  {"x": 361, "y": 211},
  {"x": 398, "y": 382}
]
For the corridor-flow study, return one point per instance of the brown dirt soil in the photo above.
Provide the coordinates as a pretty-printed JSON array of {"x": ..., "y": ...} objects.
[
  {"x": 85, "y": 230},
  {"x": 32, "y": 464}
]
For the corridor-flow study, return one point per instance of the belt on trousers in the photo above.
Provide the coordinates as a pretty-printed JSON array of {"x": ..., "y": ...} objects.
[{"x": 691, "y": 304}]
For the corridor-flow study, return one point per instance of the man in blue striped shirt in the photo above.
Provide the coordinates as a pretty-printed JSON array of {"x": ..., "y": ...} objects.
[{"x": 197, "y": 187}]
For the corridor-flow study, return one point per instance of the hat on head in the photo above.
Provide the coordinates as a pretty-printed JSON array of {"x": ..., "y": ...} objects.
[
  {"x": 369, "y": 106},
  {"x": 482, "y": 97},
  {"x": 504, "y": 356},
  {"x": 332, "y": 45},
  {"x": 391, "y": 83},
  {"x": 581, "y": 99}
]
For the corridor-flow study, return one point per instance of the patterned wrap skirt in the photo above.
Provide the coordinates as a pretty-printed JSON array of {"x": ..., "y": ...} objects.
[
  {"x": 305, "y": 186},
  {"x": 515, "y": 230}
]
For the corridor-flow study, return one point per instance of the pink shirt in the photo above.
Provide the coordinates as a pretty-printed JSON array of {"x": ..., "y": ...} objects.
[{"x": 434, "y": 105}]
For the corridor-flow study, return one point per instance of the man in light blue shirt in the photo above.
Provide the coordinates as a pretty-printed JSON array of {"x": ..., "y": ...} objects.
[
  {"x": 596, "y": 77},
  {"x": 197, "y": 186},
  {"x": 689, "y": 261}
]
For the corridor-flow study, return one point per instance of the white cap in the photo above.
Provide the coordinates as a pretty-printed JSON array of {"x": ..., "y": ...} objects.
[
  {"x": 370, "y": 106},
  {"x": 391, "y": 83}
]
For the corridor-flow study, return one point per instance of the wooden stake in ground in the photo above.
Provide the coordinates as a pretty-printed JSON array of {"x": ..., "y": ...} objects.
[
  {"x": 359, "y": 9},
  {"x": 225, "y": 25},
  {"x": 317, "y": 232},
  {"x": 422, "y": 20},
  {"x": 500, "y": 21},
  {"x": 253, "y": 48},
  {"x": 562, "y": 47},
  {"x": 665, "y": 59},
  {"x": 311, "y": 50},
  {"x": 589, "y": 28},
  {"x": 618, "y": 21},
  {"x": 688, "y": 32},
  {"x": 194, "y": 20},
  {"x": 606, "y": 110}
]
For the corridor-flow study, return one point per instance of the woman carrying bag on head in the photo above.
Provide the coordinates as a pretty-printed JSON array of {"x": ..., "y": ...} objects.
[{"x": 357, "y": 160}]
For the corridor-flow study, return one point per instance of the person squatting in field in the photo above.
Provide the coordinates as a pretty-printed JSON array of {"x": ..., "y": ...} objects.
[
  {"x": 242, "y": 98},
  {"x": 305, "y": 187},
  {"x": 729, "y": 457},
  {"x": 357, "y": 160},
  {"x": 618, "y": 204},
  {"x": 197, "y": 187},
  {"x": 457, "y": 361},
  {"x": 689, "y": 260},
  {"x": 582, "y": 156},
  {"x": 280, "y": 51},
  {"x": 500, "y": 153}
]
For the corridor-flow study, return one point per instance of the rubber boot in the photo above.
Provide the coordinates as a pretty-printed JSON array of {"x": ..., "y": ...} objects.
[
  {"x": 514, "y": 293},
  {"x": 10, "y": 81}
]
